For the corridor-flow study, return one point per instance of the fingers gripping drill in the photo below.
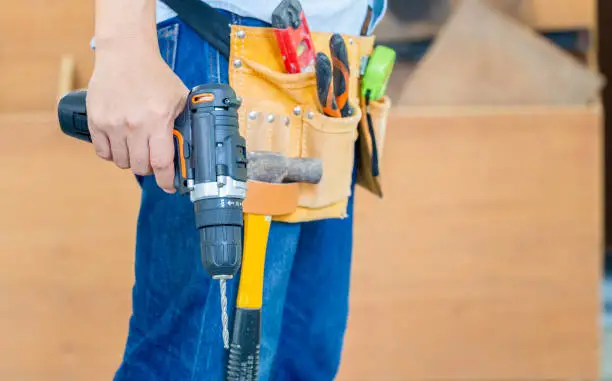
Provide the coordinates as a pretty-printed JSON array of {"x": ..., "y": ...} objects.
[{"x": 210, "y": 166}]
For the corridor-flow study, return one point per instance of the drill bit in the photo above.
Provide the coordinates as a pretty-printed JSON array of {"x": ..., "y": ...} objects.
[{"x": 224, "y": 316}]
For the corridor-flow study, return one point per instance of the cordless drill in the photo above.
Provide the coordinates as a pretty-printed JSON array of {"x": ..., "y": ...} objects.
[{"x": 210, "y": 165}]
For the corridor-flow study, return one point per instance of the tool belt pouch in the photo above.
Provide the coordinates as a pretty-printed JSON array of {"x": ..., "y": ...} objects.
[
  {"x": 280, "y": 113},
  {"x": 370, "y": 143}
]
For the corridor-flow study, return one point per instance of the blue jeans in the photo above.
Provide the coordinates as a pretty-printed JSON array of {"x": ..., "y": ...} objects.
[{"x": 175, "y": 329}]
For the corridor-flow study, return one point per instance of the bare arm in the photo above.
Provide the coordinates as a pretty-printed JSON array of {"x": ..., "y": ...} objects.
[
  {"x": 133, "y": 95},
  {"x": 120, "y": 22}
]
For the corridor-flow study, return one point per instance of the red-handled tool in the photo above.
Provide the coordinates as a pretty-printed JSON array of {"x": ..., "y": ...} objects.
[{"x": 293, "y": 36}]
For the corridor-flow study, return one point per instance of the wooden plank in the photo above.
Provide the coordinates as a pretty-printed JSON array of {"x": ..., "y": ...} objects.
[
  {"x": 543, "y": 15},
  {"x": 66, "y": 265},
  {"x": 547, "y": 15},
  {"x": 483, "y": 260},
  {"x": 560, "y": 14},
  {"x": 66, "y": 76},
  {"x": 540, "y": 72},
  {"x": 68, "y": 28},
  {"x": 32, "y": 84},
  {"x": 30, "y": 54}
]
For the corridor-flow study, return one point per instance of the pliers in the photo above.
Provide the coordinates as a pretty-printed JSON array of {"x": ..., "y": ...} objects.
[{"x": 333, "y": 80}]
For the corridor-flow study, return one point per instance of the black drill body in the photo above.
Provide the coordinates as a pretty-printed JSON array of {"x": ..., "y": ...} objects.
[{"x": 215, "y": 155}]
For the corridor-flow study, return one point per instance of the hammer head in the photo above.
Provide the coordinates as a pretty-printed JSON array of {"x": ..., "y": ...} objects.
[{"x": 275, "y": 168}]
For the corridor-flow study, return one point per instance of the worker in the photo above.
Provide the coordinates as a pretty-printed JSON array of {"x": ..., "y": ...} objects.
[{"x": 146, "y": 59}]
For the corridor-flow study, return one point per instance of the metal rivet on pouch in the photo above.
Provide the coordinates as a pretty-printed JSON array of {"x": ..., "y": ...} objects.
[
  {"x": 253, "y": 115},
  {"x": 297, "y": 110},
  {"x": 287, "y": 121},
  {"x": 270, "y": 118},
  {"x": 351, "y": 41},
  {"x": 310, "y": 115},
  {"x": 237, "y": 63},
  {"x": 241, "y": 34}
]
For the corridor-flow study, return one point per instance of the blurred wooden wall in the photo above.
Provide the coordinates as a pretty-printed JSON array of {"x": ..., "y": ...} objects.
[
  {"x": 35, "y": 34},
  {"x": 499, "y": 268},
  {"x": 479, "y": 264},
  {"x": 605, "y": 61}
]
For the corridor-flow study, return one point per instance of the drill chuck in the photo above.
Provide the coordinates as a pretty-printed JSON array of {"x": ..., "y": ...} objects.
[{"x": 219, "y": 221}]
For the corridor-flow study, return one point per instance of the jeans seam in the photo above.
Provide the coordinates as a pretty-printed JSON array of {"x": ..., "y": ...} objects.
[
  {"x": 209, "y": 56},
  {"x": 169, "y": 36},
  {"x": 175, "y": 38}
]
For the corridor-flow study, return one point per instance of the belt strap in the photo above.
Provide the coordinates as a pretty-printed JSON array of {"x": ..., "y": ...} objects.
[
  {"x": 210, "y": 24},
  {"x": 365, "y": 28}
]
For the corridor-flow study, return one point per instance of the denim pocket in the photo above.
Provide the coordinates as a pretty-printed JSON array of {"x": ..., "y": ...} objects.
[{"x": 167, "y": 37}]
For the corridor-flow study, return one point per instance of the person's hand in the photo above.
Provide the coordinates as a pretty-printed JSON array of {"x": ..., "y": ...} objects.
[{"x": 133, "y": 99}]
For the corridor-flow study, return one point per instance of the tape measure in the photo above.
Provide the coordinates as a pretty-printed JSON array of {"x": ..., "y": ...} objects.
[{"x": 377, "y": 73}]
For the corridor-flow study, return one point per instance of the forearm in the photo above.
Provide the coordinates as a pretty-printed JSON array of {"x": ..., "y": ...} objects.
[{"x": 129, "y": 23}]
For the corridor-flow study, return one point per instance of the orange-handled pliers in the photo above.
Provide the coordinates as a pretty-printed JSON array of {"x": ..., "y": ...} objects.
[{"x": 333, "y": 81}]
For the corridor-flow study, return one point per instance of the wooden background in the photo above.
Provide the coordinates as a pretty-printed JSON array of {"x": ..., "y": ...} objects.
[
  {"x": 35, "y": 34},
  {"x": 491, "y": 241},
  {"x": 491, "y": 259}
]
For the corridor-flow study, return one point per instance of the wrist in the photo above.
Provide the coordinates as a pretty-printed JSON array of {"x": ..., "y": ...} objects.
[
  {"x": 125, "y": 45},
  {"x": 124, "y": 26}
]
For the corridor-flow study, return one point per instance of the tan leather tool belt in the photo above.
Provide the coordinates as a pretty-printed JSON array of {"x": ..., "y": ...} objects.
[{"x": 280, "y": 113}]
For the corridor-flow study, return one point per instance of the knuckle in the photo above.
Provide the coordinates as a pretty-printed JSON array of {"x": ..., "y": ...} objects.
[
  {"x": 152, "y": 117},
  {"x": 106, "y": 121},
  {"x": 122, "y": 164},
  {"x": 162, "y": 114},
  {"x": 103, "y": 153},
  {"x": 111, "y": 124},
  {"x": 135, "y": 122},
  {"x": 120, "y": 157},
  {"x": 159, "y": 162},
  {"x": 140, "y": 166}
]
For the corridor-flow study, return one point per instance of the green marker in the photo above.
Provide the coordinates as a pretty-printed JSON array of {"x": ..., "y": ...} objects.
[{"x": 377, "y": 73}]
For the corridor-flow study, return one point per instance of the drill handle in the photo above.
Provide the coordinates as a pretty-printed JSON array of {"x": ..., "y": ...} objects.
[
  {"x": 183, "y": 150},
  {"x": 72, "y": 117}
]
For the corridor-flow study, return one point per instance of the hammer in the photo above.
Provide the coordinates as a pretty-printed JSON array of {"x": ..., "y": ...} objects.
[{"x": 270, "y": 168}]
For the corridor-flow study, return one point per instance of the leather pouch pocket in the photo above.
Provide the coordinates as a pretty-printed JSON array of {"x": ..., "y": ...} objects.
[
  {"x": 370, "y": 147},
  {"x": 333, "y": 141}
]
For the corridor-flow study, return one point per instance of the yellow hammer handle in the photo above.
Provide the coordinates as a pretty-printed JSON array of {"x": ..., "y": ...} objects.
[{"x": 250, "y": 290}]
